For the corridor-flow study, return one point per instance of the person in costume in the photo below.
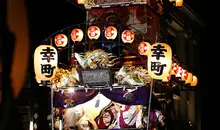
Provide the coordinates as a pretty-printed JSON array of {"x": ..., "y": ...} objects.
[
  {"x": 83, "y": 120},
  {"x": 76, "y": 118},
  {"x": 68, "y": 117},
  {"x": 130, "y": 116},
  {"x": 105, "y": 120}
]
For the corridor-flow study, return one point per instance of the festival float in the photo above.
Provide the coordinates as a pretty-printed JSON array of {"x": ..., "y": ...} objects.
[{"x": 102, "y": 74}]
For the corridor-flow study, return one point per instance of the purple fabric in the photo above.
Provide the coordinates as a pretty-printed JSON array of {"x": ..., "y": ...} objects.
[
  {"x": 78, "y": 97},
  {"x": 153, "y": 119},
  {"x": 139, "y": 96}
]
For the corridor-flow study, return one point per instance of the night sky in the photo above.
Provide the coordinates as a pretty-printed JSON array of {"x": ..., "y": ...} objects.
[{"x": 47, "y": 17}]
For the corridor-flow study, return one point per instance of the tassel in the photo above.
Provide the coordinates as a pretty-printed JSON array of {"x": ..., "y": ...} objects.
[{"x": 97, "y": 102}]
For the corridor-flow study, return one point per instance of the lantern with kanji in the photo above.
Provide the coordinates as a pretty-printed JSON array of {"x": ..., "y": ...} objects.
[
  {"x": 94, "y": 32},
  {"x": 159, "y": 61},
  {"x": 144, "y": 48},
  {"x": 180, "y": 72},
  {"x": 194, "y": 81},
  {"x": 77, "y": 35},
  {"x": 127, "y": 36},
  {"x": 174, "y": 68},
  {"x": 45, "y": 63},
  {"x": 167, "y": 79},
  {"x": 189, "y": 78},
  {"x": 61, "y": 40},
  {"x": 111, "y": 32}
]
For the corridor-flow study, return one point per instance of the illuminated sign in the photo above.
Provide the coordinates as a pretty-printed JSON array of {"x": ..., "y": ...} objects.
[
  {"x": 159, "y": 61},
  {"x": 96, "y": 77},
  {"x": 45, "y": 63}
]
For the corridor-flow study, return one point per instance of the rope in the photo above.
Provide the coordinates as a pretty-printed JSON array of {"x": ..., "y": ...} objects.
[{"x": 149, "y": 104}]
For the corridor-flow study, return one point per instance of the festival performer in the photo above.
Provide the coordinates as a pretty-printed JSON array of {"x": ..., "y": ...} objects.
[
  {"x": 130, "y": 116},
  {"x": 77, "y": 119},
  {"x": 156, "y": 118},
  {"x": 83, "y": 120},
  {"x": 68, "y": 117},
  {"x": 106, "y": 120}
]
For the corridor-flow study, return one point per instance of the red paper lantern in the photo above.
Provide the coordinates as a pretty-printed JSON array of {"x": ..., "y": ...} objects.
[
  {"x": 93, "y": 32},
  {"x": 77, "y": 35},
  {"x": 144, "y": 48},
  {"x": 127, "y": 36},
  {"x": 174, "y": 68},
  {"x": 189, "y": 78},
  {"x": 61, "y": 40},
  {"x": 194, "y": 81},
  {"x": 111, "y": 32},
  {"x": 180, "y": 72},
  {"x": 184, "y": 75}
]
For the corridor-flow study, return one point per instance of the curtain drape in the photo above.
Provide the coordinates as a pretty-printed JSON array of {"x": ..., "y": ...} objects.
[{"x": 140, "y": 96}]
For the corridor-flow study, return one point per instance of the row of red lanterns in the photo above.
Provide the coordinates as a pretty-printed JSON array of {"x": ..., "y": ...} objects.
[
  {"x": 94, "y": 33},
  {"x": 183, "y": 74}
]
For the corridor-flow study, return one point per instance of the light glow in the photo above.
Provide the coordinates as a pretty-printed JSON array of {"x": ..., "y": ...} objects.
[
  {"x": 71, "y": 90},
  {"x": 31, "y": 126}
]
